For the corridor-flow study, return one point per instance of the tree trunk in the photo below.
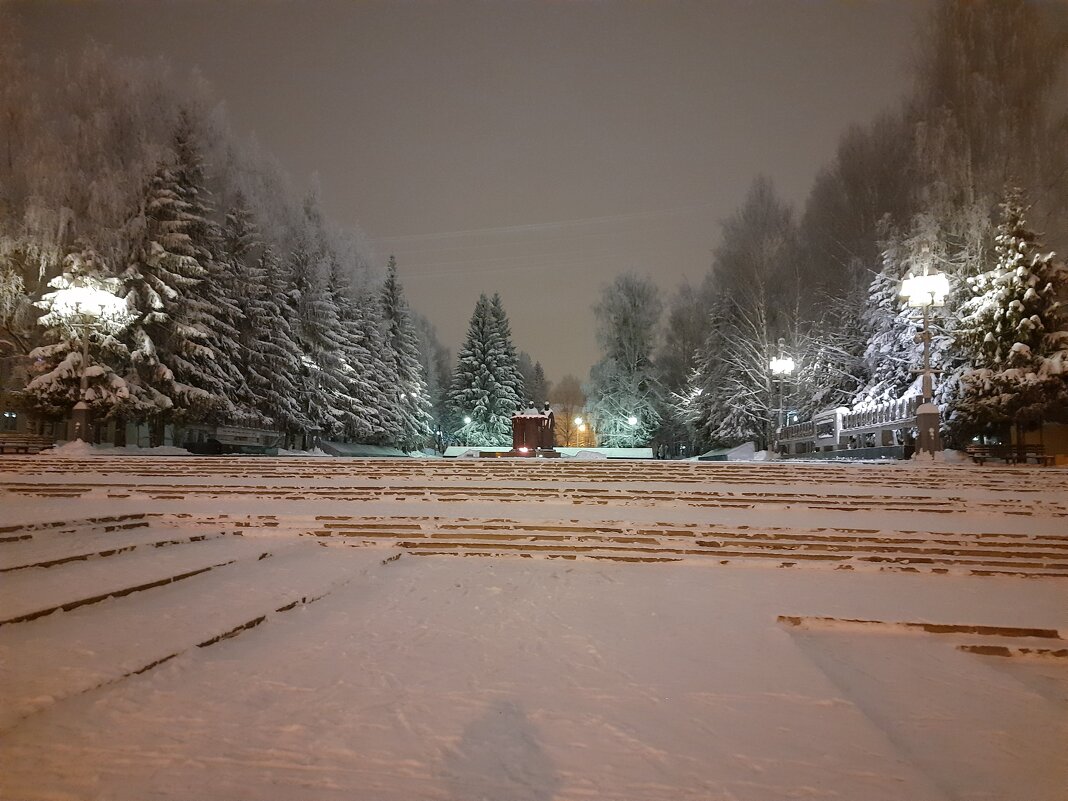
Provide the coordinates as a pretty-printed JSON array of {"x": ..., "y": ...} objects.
[{"x": 155, "y": 431}]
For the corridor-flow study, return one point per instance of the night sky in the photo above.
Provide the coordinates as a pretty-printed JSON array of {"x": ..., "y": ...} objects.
[{"x": 531, "y": 148}]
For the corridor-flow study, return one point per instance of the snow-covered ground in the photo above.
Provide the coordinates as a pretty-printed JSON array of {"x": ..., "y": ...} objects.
[{"x": 231, "y": 628}]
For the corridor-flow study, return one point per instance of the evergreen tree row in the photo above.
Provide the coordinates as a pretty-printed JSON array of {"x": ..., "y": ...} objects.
[{"x": 224, "y": 329}]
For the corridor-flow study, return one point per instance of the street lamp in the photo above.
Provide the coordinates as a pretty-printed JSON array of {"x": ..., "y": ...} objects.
[
  {"x": 467, "y": 421},
  {"x": 925, "y": 291},
  {"x": 632, "y": 421},
  {"x": 84, "y": 304},
  {"x": 781, "y": 367}
]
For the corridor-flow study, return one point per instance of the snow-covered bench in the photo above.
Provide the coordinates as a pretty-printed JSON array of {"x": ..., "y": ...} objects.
[
  {"x": 24, "y": 443},
  {"x": 1010, "y": 455}
]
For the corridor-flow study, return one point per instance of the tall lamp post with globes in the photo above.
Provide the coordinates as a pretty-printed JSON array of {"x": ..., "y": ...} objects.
[
  {"x": 925, "y": 291},
  {"x": 782, "y": 366}
]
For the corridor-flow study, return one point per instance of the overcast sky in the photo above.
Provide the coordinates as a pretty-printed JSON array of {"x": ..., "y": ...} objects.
[{"x": 536, "y": 149}]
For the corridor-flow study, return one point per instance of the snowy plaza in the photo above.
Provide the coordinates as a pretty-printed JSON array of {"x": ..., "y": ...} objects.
[{"x": 241, "y": 628}]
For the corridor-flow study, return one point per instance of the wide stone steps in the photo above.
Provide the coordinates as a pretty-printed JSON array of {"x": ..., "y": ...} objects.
[
  {"x": 1008, "y": 479},
  {"x": 845, "y": 502},
  {"x": 38, "y": 591},
  {"x": 104, "y": 642},
  {"x": 981, "y": 554},
  {"x": 94, "y": 541}
]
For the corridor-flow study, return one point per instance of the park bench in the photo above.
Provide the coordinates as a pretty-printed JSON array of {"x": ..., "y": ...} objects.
[
  {"x": 24, "y": 443},
  {"x": 1009, "y": 454}
]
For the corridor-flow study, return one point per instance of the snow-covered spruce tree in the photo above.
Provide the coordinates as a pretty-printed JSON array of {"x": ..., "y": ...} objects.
[
  {"x": 436, "y": 361},
  {"x": 56, "y": 387},
  {"x": 539, "y": 386},
  {"x": 319, "y": 335},
  {"x": 171, "y": 349},
  {"x": 1016, "y": 329},
  {"x": 402, "y": 348},
  {"x": 890, "y": 357},
  {"x": 270, "y": 359},
  {"x": 368, "y": 378},
  {"x": 212, "y": 301},
  {"x": 507, "y": 357},
  {"x": 623, "y": 395},
  {"x": 483, "y": 383}
]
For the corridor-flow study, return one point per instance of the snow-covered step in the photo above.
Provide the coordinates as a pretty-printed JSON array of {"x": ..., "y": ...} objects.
[
  {"x": 97, "y": 644},
  {"x": 1047, "y": 553},
  {"x": 30, "y": 593},
  {"x": 525, "y": 545},
  {"x": 60, "y": 547}
]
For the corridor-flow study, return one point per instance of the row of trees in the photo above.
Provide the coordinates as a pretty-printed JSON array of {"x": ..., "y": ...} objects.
[
  {"x": 243, "y": 304},
  {"x": 247, "y": 305},
  {"x": 947, "y": 181}
]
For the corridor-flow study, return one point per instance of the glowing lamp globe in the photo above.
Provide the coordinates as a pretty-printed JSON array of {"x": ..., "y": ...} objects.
[
  {"x": 782, "y": 366},
  {"x": 929, "y": 289}
]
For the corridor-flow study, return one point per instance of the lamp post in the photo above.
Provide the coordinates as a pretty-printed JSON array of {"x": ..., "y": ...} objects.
[
  {"x": 85, "y": 304},
  {"x": 781, "y": 367},
  {"x": 925, "y": 291}
]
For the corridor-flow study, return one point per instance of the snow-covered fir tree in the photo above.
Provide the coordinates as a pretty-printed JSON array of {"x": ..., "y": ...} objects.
[
  {"x": 890, "y": 356},
  {"x": 1016, "y": 330},
  {"x": 623, "y": 395},
  {"x": 56, "y": 385},
  {"x": 539, "y": 386},
  {"x": 171, "y": 351},
  {"x": 507, "y": 357},
  {"x": 402, "y": 348},
  {"x": 270, "y": 358},
  {"x": 368, "y": 378},
  {"x": 436, "y": 361},
  {"x": 319, "y": 334},
  {"x": 212, "y": 302},
  {"x": 484, "y": 382}
]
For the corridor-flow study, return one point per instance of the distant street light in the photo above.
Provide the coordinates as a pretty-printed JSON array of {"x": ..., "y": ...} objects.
[
  {"x": 578, "y": 421},
  {"x": 925, "y": 291},
  {"x": 86, "y": 304},
  {"x": 467, "y": 421},
  {"x": 632, "y": 421},
  {"x": 781, "y": 367}
]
